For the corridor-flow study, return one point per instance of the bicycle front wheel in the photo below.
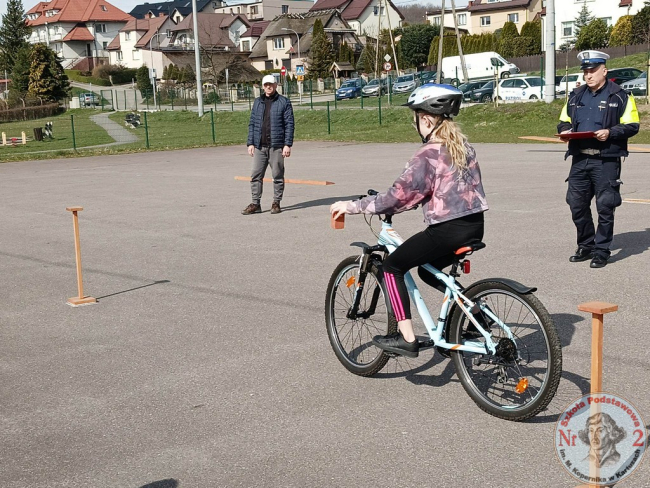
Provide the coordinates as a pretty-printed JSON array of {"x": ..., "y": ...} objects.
[
  {"x": 351, "y": 339},
  {"x": 521, "y": 379}
]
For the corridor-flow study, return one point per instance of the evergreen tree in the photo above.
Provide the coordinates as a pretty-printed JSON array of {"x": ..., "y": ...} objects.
[
  {"x": 415, "y": 42},
  {"x": 592, "y": 36},
  {"x": 366, "y": 61},
  {"x": 533, "y": 30},
  {"x": 622, "y": 32},
  {"x": 143, "y": 82},
  {"x": 321, "y": 52},
  {"x": 640, "y": 23},
  {"x": 165, "y": 73},
  {"x": 583, "y": 19},
  {"x": 20, "y": 73},
  {"x": 47, "y": 79},
  {"x": 13, "y": 34},
  {"x": 509, "y": 34}
]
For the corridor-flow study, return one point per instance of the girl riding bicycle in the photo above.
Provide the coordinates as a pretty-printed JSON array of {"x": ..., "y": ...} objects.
[{"x": 444, "y": 177}]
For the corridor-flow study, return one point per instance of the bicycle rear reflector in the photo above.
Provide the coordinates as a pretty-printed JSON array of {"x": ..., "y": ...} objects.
[
  {"x": 350, "y": 282},
  {"x": 466, "y": 266},
  {"x": 522, "y": 386}
]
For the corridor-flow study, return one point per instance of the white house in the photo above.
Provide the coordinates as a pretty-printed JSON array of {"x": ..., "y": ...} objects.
[
  {"x": 434, "y": 17},
  {"x": 567, "y": 11},
  {"x": 79, "y": 31},
  {"x": 366, "y": 17},
  {"x": 264, "y": 9}
]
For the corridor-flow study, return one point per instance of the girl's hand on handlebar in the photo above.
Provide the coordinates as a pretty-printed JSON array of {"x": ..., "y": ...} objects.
[{"x": 339, "y": 208}]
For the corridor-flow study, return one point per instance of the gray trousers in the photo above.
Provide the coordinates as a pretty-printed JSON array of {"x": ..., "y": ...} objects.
[{"x": 261, "y": 160}]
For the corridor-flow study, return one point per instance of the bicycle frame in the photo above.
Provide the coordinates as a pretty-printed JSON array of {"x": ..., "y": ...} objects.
[{"x": 391, "y": 240}]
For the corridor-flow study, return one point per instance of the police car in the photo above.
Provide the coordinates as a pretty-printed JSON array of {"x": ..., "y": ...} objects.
[{"x": 517, "y": 89}]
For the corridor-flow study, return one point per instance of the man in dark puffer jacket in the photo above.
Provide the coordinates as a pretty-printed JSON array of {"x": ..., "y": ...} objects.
[{"x": 270, "y": 137}]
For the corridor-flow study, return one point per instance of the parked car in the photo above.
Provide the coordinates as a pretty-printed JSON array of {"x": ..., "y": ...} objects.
[
  {"x": 621, "y": 75},
  {"x": 350, "y": 89},
  {"x": 375, "y": 88},
  {"x": 406, "y": 84},
  {"x": 638, "y": 86},
  {"x": 427, "y": 77},
  {"x": 483, "y": 94},
  {"x": 89, "y": 100},
  {"x": 527, "y": 88},
  {"x": 574, "y": 81},
  {"x": 469, "y": 87}
]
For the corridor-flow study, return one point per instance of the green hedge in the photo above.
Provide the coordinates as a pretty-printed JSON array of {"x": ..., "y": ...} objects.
[{"x": 75, "y": 75}]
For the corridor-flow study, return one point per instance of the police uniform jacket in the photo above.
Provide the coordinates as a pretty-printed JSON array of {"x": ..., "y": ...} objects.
[{"x": 621, "y": 118}]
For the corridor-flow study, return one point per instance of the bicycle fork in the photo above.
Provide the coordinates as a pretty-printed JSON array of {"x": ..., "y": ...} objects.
[{"x": 364, "y": 262}]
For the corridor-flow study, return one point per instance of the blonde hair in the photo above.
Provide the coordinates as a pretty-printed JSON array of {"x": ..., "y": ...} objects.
[{"x": 449, "y": 134}]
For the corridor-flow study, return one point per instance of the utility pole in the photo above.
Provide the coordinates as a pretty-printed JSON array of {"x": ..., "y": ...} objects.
[
  {"x": 377, "y": 47},
  {"x": 390, "y": 30},
  {"x": 460, "y": 47},
  {"x": 442, "y": 35},
  {"x": 549, "y": 85},
  {"x": 197, "y": 58}
]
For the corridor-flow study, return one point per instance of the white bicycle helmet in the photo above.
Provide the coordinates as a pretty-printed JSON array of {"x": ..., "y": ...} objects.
[{"x": 436, "y": 99}]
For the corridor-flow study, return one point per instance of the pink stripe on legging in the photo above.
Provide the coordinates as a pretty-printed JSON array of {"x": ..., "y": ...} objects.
[{"x": 395, "y": 300}]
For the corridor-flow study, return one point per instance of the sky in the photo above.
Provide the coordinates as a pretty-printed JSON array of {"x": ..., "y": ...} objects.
[{"x": 128, "y": 5}]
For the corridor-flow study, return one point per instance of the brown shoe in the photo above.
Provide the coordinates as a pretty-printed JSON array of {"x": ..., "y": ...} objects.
[
  {"x": 275, "y": 208},
  {"x": 252, "y": 209}
]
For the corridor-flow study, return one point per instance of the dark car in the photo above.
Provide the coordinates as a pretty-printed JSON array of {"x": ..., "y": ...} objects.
[
  {"x": 427, "y": 76},
  {"x": 483, "y": 94},
  {"x": 350, "y": 89},
  {"x": 621, "y": 75},
  {"x": 469, "y": 87}
]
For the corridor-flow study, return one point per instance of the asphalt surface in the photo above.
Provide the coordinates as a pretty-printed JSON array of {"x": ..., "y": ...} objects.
[{"x": 206, "y": 361}]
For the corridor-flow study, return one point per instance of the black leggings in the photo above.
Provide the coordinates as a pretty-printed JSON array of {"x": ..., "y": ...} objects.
[{"x": 436, "y": 246}]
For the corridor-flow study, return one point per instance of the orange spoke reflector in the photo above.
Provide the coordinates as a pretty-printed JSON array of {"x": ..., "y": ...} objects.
[
  {"x": 522, "y": 386},
  {"x": 350, "y": 282}
]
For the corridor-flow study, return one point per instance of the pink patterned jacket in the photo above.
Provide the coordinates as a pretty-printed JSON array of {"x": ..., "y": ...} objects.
[{"x": 431, "y": 180}]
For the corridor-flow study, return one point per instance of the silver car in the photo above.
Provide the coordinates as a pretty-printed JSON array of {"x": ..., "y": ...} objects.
[
  {"x": 638, "y": 86},
  {"x": 406, "y": 84},
  {"x": 374, "y": 88}
]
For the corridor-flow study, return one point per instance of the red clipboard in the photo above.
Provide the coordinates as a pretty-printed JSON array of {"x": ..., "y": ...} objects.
[{"x": 576, "y": 135}]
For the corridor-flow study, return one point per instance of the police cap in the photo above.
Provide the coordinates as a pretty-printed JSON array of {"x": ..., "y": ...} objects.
[{"x": 591, "y": 59}]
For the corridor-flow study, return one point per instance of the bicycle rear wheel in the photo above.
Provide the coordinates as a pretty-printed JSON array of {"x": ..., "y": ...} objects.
[
  {"x": 351, "y": 339},
  {"x": 521, "y": 379}
]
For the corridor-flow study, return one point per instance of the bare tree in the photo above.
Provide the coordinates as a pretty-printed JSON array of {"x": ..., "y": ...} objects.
[{"x": 416, "y": 13}]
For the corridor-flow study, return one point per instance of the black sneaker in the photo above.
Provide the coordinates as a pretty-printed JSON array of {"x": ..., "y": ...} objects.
[
  {"x": 598, "y": 262},
  {"x": 581, "y": 254},
  {"x": 395, "y": 343},
  {"x": 253, "y": 208}
]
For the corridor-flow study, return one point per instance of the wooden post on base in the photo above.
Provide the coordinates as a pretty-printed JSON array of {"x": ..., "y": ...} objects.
[
  {"x": 81, "y": 299},
  {"x": 23, "y": 138},
  {"x": 597, "y": 310}
]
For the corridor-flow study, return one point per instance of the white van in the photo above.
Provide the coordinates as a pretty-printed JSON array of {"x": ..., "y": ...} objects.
[{"x": 479, "y": 65}]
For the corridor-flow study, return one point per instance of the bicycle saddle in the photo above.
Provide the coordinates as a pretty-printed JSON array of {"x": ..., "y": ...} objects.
[{"x": 470, "y": 247}]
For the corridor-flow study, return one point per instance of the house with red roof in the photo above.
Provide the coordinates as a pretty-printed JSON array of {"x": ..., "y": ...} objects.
[
  {"x": 366, "y": 17},
  {"x": 159, "y": 41},
  {"x": 79, "y": 31}
]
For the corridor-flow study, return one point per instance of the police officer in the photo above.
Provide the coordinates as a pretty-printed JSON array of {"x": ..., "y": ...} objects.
[{"x": 604, "y": 108}]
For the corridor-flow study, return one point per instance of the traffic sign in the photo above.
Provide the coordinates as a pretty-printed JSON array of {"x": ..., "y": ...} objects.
[
  {"x": 300, "y": 69},
  {"x": 387, "y": 57},
  {"x": 283, "y": 71},
  {"x": 300, "y": 77},
  {"x": 388, "y": 66}
]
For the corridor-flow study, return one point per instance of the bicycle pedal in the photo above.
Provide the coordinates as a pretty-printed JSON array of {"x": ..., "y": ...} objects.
[{"x": 426, "y": 344}]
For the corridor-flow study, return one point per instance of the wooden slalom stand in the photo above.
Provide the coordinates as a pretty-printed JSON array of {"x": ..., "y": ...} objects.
[
  {"x": 81, "y": 299},
  {"x": 597, "y": 310}
]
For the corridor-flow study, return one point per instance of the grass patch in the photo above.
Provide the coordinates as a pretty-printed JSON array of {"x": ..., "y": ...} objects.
[
  {"x": 482, "y": 123},
  {"x": 87, "y": 133}
]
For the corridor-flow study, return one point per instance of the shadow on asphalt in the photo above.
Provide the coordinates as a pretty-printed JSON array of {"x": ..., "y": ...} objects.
[
  {"x": 318, "y": 203},
  {"x": 630, "y": 244},
  {"x": 133, "y": 289},
  {"x": 168, "y": 483},
  {"x": 565, "y": 324}
]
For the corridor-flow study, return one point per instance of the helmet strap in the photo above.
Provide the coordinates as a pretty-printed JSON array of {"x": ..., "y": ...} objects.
[{"x": 425, "y": 139}]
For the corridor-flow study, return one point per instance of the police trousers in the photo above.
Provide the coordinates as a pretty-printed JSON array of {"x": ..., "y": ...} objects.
[{"x": 600, "y": 177}]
